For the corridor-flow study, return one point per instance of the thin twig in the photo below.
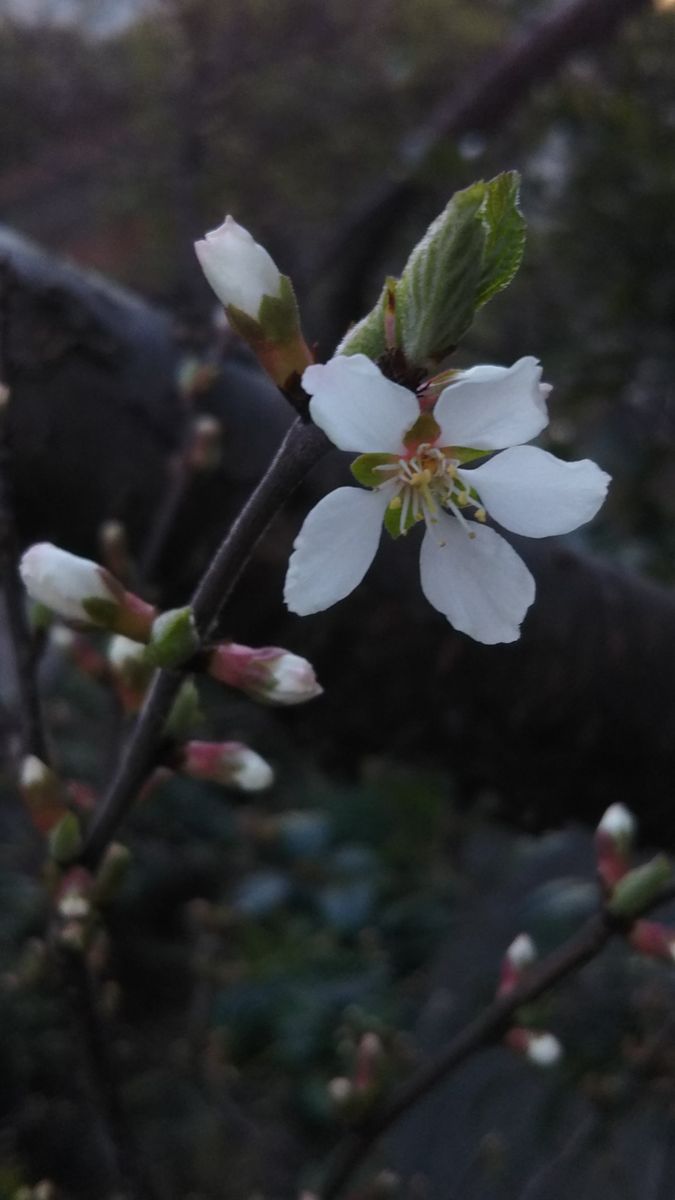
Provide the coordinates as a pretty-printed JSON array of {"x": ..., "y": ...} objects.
[
  {"x": 484, "y": 1030},
  {"x": 92, "y": 1043},
  {"x": 302, "y": 447}
]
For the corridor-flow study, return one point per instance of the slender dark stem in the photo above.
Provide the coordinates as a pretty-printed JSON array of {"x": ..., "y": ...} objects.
[
  {"x": 486, "y": 1029},
  {"x": 302, "y": 447},
  {"x": 93, "y": 1048}
]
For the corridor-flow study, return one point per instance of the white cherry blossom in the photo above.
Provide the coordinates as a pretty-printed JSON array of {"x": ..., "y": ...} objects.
[{"x": 424, "y": 472}]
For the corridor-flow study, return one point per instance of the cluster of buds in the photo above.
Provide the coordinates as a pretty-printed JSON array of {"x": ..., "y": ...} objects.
[
  {"x": 259, "y": 301},
  {"x": 539, "y": 1046},
  {"x": 83, "y": 593}
]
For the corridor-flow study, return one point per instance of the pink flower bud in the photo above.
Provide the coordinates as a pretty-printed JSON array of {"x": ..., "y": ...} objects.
[
  {"x": 229, "y": 763},
  {"x": 521, "y": 954},
  {"x": 542, "y": 1049},
  {"x": 653, "y": 939},
  {"x": 81, "y": 591},
  {"x": 41, "y": 793},
  {"x": 268, "y": 674},
  {"x": 613, "y": 844}
]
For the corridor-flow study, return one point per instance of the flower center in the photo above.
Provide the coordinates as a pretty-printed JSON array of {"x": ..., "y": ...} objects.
[{"x": 425, "y": 482}]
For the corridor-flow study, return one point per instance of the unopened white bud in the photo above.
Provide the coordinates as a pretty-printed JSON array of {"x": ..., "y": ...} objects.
[
  {"x": 340, "y": 1089},
  {"x": 543, "y": 1049},
  {"x": 64, "y": 582},
  {"x": 239, "y": 270},
  {"x": 229, "y": 763},
  {"x": 618, "y": 823},
  {"x": 522, "y": 952},
  {"x": 124, "y": 654},
  {"x": 34, "y": 773}
]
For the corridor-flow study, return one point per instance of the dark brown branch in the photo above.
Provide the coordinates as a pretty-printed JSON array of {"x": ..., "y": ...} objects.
[
  {"x": 486, "y": 1029},
  {"x": 532, "y": 55},
  {"x": 301, "y": 448}
]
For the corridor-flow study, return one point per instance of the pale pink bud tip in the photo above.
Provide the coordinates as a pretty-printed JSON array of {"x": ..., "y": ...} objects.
[
  {"x": 522, "y": 952},
  {"x": 268, "y": 674},
  {"x": 240, "y": 271},
  {"x": 618, "y": 822},
  {"x": 229, "y": 763},
  {"x": 64, "y": 582}
]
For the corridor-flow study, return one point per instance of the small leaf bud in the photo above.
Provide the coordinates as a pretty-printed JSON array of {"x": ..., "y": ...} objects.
[
  {"x": 174, "y": 638},
  {"x": 639, "y": 888}
]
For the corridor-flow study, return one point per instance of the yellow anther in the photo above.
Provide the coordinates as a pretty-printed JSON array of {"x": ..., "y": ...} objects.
[
  {"x": 463, "y": 499},
  {"x": 395, "y": 503},
  {"x": 480, "y": 514},
  {"x": 421, "y": 478}
]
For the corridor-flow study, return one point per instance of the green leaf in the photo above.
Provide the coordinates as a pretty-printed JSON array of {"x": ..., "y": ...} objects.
[
  {"x": 363, "y": 469},
  {"x": 437, "y": 290},
  {"x": 505, "y": 236},
  {"x": 368, "y": 335}
]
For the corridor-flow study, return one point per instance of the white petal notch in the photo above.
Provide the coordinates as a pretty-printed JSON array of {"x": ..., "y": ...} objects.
[{"x": 469, "y": 572}]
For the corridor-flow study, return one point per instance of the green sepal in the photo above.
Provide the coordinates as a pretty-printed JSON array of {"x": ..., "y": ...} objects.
[
  {"x": 368, "y": 336},
  {"x": 392, "y": 522},
  {"x": 65, "y": 839},
  {"x": 505, "y": 242},
  {"x": 639, "y": 888},
  {"x": 101, "y": 612},
  {"x": 185, "y": 714},
  {"x": 426, "y": 429},
  {"x": 111, "y": 873},
  {"x": 363, "y": 469},
  {"x": 278, "y": 319},
  {"x": 174, "y": 638},
  {"x": 465, "y": 454},
  {"x": 278, "y": 315}
]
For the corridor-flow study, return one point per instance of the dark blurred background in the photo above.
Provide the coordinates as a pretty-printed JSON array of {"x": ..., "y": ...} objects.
[{"x": 410, "y": 835}]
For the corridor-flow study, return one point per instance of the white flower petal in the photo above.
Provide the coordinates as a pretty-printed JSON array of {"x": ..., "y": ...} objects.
[
  {"x": 357, "y": 407},
  {"x": 492, "y": 407},
  {"x": 334, "y": 548},
  {"x": 480, "y": 584},
  {"x": 239, "y": 270},
  {"x": 531, "y": 492}
]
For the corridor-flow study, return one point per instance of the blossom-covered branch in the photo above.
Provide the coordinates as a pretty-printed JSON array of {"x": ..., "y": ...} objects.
[
  {"x": 303, "y": 446},
  {"x": 487, "y": 1029}
]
